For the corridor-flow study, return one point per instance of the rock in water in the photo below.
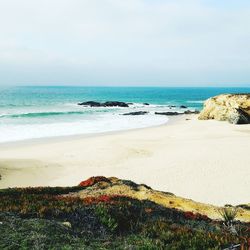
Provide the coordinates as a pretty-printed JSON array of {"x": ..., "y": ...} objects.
[
  {"x": 90, "y": 104},
  {"x": 234, "y": 108},
  {"x": 137, "y": 113},
  {"x": 187, "y": 112},
  {"x": 104, "y": 104},
  {"x": 168, "y": 113},
  {"x": 114, "y": 104}
]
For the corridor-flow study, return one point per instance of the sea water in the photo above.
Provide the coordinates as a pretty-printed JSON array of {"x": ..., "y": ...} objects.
[{"x": 42, "y": 111}]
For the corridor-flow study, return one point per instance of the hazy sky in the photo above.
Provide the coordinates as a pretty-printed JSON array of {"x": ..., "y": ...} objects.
[{"x": 125, "y": 42}]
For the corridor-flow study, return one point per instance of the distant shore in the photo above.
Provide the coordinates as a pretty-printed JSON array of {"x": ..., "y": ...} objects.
[{"x": 200, "y": 160}]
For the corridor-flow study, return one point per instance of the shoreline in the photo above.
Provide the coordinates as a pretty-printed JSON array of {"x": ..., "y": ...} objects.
[
  {"x": 190, "y": 158},
  {"x": 171, "y": 121}
]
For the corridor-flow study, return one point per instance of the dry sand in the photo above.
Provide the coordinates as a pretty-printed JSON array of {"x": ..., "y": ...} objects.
[{"x": 207, "y": 161}]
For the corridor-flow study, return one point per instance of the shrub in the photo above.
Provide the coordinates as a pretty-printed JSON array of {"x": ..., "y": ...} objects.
[
  {"x": 105, "y": 218},
  {"x": 228, "y": 214}
]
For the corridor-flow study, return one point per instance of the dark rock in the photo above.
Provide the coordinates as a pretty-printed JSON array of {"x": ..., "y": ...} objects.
[
  {"x": 188, "y": 112},
  {"x": 137, "y": 113},
  {"x": 105, "y": 104},
  {"x": 172, "y": 106},
  {"x": 114, "y": 104},
  {"x": 168, "y": 113},
  {"x": 239, "y": 117},
  {"x": 90, "y": 103},
  {"x": 183, "y": 107},
  {"x": 145, "y": 103}
]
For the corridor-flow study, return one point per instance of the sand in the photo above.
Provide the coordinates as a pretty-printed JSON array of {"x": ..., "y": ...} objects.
[{"x": 207, "y": 161}]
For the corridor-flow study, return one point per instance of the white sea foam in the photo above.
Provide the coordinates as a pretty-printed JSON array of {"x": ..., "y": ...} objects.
[
  {"x": 59, "y": 120},
  {"x": 97, "y": 124}
]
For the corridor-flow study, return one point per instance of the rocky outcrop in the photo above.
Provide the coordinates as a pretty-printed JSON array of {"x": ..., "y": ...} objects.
[
  {"x": 234, "y": 108},
  {"x": 115, "y": 104},
  {"x": 104, "y": 104},
  {"x": 137, "y": 113},
  {"x": 90, "y": 104},
  {"x": 239, "y": 116}
]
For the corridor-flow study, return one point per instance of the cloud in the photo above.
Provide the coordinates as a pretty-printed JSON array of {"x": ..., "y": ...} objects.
[{"x": 124, "y": 42}]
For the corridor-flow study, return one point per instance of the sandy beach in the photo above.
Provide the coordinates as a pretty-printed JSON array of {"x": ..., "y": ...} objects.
[{"x": 207, "y": 161}]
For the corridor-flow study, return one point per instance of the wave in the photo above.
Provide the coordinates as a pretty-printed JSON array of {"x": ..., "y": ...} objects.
[
  {"x": 107, "y": 123},
  {"x": 84, "y": 110},
  {"x": 11, "y": 105},
  {"x": 42, "y": 114}
]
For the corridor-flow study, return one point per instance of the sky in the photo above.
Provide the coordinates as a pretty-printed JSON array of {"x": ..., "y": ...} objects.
[{"x": 125, "y": 42}]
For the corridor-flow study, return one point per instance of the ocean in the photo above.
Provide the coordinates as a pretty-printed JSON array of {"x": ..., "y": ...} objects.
[{"x": 42, "y": 111}]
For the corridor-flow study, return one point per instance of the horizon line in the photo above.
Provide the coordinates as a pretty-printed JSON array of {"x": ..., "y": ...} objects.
[{"x": 131, "y": 86}]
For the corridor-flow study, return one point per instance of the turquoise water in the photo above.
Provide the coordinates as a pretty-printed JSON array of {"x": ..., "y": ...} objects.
[
  {"x": 34, "y": 112},
  {"x": 32, "y": 96}
]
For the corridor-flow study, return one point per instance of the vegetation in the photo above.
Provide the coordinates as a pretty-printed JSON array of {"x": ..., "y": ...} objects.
[
  {"x": 228, "y": 214},
  {"x": 52, "y": 218}
]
